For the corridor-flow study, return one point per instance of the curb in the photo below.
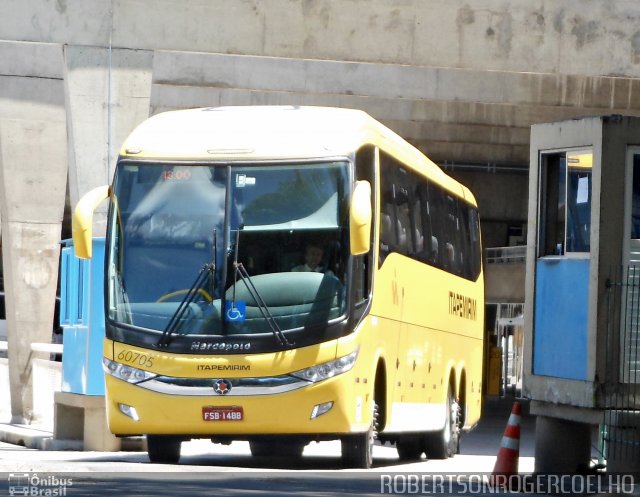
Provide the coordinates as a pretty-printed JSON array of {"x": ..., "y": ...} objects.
[
  {"x": 32, "y": 437},
  {"x": 35, "y": 438}
]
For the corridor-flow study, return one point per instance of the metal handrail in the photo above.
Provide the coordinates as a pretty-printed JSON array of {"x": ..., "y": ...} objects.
[
  {"x": 499, "y": 255},
  {"x": 50, "y": 348}
]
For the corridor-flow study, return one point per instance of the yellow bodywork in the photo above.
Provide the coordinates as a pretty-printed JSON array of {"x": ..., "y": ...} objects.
[
  {"x": 285, "y": 413},
  {"x": 424, "y": 328},
  {"x": 430, "y": 346},
  {"x": 82, "y": 222}
]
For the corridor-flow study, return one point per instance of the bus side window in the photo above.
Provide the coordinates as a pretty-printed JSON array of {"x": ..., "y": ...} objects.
[
  {"x": 465, "y": 250},
  {"x": 452, "y": 236},
  {"x": 474, "y": 233},
  {"x": 438, "y": 222},
  {"x": 417, "y": 228},
  {"x": 433, "y": 255},
  {"x": 387, "y": 231},
  {"x": 404, "y": 229},
  {"x": 388, "y": 226}
]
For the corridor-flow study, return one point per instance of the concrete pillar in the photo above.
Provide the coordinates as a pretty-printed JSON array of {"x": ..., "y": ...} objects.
[
  {"x": 107, "y": 93},
  {"x": 561, "y": 446},
  {"x": 33, "y": 170},
  {"x": 32, "y": 194}
]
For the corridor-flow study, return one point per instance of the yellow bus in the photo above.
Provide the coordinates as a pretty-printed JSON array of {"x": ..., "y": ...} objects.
[{"x": 282, "y": 275}]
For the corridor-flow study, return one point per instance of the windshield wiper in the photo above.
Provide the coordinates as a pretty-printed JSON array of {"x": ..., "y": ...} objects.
[
  {"x": 241, "y": 271},
  {"x": 198, "y": 284},
  {"x": 178, "y": 315}
]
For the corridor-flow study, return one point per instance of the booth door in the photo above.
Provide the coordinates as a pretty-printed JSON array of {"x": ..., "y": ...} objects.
[{"x": 630, "y": 335}]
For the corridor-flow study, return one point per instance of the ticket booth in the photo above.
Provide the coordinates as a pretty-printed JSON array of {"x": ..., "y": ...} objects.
[{"x": 582, "y": 304}]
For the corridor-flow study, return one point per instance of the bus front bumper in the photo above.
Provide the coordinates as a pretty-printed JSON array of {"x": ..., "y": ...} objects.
[{"x": 338, "y": 405}]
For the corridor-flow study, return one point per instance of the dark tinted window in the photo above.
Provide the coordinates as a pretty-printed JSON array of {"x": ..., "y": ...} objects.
[{"x": 421, "y": 220}]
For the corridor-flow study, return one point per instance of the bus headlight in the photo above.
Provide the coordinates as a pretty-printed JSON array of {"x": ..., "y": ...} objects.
[
  {"x": 328, "y": 369},
  {"x": 125, "y": 373}
]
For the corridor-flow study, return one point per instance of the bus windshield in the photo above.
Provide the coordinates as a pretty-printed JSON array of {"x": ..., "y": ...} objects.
[{"x": 225, "y": 249}]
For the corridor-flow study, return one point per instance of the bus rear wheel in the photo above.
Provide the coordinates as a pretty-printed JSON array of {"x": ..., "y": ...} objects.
[
  {"x": 357, "y": 449},
  {"x": 446, "y": 442},
  {"x": 164, "y": 449}
]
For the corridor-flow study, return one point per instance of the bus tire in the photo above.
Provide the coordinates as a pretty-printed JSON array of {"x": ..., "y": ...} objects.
[
  {"x": 446, "y": 442},
  {"x": 163, "y": 449},
  {"x": 357, "y": 449},
  {"x": 410, "y": 448}
]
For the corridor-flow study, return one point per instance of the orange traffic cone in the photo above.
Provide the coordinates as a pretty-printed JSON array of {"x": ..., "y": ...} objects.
[{"x": 507, "y": 461}]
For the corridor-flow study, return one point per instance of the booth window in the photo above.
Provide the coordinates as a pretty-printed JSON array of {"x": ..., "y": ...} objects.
[
  {"x": 565, "y": 202},
  {"x": 635, "y": 199}
]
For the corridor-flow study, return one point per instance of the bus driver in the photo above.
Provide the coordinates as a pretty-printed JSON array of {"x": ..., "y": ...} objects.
[{"x": 313, "y": 255}]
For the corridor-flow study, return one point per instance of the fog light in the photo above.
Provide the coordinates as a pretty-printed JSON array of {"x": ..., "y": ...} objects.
[
  {"x": 320, "y": 409},
  {"x": 129, "y": 411}
]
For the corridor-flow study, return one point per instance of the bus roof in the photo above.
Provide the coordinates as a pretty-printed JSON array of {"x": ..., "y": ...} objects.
[{"x": 272, "y": 133}]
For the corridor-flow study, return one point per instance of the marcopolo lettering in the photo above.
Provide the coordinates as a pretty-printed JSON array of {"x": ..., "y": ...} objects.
[
  {"x": 207, "y": 346},
  {"x": 462, "y": 306}
]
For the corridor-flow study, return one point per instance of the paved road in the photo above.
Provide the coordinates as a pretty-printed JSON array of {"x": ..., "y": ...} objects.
[
  {"x": 208, "y": 469},
  {"x": 215, "y": 470}
]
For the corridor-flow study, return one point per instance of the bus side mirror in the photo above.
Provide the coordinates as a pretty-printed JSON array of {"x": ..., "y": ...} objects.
[
  {"x": 360, "y": 218},
  {"x": 82, "y": 222}
]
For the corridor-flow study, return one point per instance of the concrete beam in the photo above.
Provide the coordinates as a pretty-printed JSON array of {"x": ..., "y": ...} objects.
[
  {"x": 443, "y": 111},
  {"x": 171, "y": 97},
  {"x": 394, "y": 81},
  {"x": 42, "y": 60}
]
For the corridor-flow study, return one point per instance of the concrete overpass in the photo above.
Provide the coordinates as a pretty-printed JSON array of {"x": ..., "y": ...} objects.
[{"x": 461, "y": 80}]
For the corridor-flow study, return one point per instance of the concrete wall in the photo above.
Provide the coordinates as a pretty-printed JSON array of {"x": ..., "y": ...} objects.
[
  {"x": 504, "y": 283},
  {"x": 463, "y": 83},
  {"x": 586, "y": 37}
]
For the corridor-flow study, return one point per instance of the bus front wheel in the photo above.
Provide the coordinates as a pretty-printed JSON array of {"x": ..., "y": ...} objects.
[
  {"x": 164, "y": 449},
  {"x": 446, "y": 442},
  {"x": 357, "y": 449}
]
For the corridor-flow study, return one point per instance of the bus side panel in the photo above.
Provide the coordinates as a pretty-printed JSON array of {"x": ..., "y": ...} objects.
[{"x": 437, "y": 320}]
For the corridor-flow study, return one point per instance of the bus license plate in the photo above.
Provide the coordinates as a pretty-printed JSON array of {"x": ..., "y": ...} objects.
[{"x": 231, "y": 413}]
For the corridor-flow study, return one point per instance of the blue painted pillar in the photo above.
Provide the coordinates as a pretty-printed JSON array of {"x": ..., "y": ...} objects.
[{"x": 82, "y": 317}]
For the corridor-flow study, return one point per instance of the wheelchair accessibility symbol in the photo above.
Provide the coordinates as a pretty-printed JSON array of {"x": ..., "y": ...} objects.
[{"x": 235, "y": 312}]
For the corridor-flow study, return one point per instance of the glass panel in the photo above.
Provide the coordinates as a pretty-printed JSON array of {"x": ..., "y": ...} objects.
[
  {"x": 264, "y": 197},
  {"x": 579, "y": 179},
  {"x": 630, "y": 336},
  {"x": 565, "y": 202},
  {"x": 635, "y": 199},
  {"x": 168, "y": 226}
]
